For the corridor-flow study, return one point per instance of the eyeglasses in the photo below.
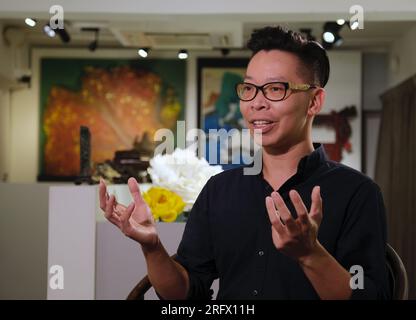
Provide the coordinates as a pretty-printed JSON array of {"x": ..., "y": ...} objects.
[{"x": 273, "y": 91}]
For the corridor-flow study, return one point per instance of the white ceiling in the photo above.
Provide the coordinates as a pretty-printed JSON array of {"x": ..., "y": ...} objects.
[
  {"x": 126, "y": 22},
  {"x": 376, "y": 35}
]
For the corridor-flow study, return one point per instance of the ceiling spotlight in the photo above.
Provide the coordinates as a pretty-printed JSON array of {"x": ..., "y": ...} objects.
[
  {"x": 354, "y": 25},
  {"x": 30, "y": 22},
  {"x": 183, "y": 54},
  {"x": 143, "y": 52},
  {"x": 330, "y": 35},
  {"x": 49, "y": 31},
  {"x": 340, "y": 22}
]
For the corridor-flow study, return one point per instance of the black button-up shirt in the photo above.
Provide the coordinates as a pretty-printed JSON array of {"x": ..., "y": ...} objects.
[{"x": 228, "y": 233}]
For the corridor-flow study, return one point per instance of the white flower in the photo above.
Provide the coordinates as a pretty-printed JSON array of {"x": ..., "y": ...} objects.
[{"x": 183, "y": 173}]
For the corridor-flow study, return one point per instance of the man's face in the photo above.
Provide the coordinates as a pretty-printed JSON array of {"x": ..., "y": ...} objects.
[{"x": 287, "y": 120}]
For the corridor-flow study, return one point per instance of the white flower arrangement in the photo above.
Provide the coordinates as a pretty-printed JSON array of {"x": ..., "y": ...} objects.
[{"x": 183, "y": 173}]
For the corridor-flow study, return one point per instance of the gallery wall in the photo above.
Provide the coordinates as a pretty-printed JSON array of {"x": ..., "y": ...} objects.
[
  {"x": 19, "y": 118},
  {"x": 344, "y": 88}
]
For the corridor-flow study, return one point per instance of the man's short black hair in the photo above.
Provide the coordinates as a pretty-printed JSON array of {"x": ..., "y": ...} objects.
[{"x": 310, "y": 53}]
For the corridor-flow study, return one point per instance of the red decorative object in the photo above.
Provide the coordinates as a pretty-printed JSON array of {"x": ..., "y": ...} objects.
[{"x": 339, "y": 121}]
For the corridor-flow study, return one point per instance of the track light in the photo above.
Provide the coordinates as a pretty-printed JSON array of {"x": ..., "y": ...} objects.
[
  {"x": 30, "y": 22},
  {"x": 354, "y": 25},
  {"x": 94, "y": 44},
  {"x": 183, "y": 54},
  {"x": 340, "y": 22},
  {"x": 338, "y": 40},
  {"x": 143, "y": 52},
  {"x": 330, "y": 35},
  {"x": 225, "y": 52},
  {"x": 63, "y": 35},
  {"x": 49, "y": 31}
]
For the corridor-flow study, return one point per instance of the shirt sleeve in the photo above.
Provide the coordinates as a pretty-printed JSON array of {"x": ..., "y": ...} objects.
[
  {"x": 362, "y": 242},
  {"x": 195, "y": 251}
]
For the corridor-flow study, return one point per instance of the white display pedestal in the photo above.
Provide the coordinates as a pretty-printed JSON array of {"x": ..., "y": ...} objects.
[{"x": 71, "y": 242}]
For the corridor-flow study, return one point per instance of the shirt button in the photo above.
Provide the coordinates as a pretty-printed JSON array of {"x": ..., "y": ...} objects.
[
  {"x": 261, "y": 252},
  {"x": 255, "y": 293}
]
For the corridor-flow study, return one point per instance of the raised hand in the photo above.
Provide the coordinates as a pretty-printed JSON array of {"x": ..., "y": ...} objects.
[
  {"x": 296, "y": 238},
  {"x": 136, "y": 220}
]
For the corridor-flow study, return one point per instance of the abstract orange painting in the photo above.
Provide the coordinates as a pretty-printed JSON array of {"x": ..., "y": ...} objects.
[{"x": 118, "y": 102}]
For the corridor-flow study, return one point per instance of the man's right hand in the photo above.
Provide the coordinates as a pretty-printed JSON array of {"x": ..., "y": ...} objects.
[{"x": 135, "y": 221}]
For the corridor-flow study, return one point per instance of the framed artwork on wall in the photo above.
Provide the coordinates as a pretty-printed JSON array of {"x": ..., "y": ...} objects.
[
  {"x": 122, "y": 102},
  {"x": 218, "y": 104},
  {"x": 217, "y": 100}
]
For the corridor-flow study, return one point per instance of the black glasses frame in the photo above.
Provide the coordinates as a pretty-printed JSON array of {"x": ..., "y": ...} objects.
[{"x": 287, "y": 85}]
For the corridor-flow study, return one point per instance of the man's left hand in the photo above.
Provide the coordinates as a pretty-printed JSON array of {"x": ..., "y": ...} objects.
[{"x": 296, "y": 238}]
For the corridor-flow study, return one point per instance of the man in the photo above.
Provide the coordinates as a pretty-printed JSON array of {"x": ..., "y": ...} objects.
[{"x": 295, "y": 230}]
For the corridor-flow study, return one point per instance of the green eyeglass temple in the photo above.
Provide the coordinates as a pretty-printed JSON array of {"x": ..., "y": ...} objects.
[{"x": 287, "y": 85}]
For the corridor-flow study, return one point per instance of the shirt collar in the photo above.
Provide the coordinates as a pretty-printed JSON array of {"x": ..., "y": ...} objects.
[{"x": 310, "y": 162}]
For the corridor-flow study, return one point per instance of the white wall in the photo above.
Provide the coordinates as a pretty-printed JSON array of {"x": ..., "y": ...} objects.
[
  {"x": 344, "y": 89},
  {"x": 403, "y": 58}
]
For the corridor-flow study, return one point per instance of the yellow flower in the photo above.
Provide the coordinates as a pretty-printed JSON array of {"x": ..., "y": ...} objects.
[{"x": 164, "y": 204}]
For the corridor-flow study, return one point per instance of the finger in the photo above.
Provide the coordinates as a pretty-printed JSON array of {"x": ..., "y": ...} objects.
[
  {"x": 119, "y": 208},
  {"x": 273, "y": 215},
  {"x": 316, "y": 206},
  {"x": 125, "y": 216},
  {"x": 299, "y": 207},
  {"x": 135, "y": 191},
  {"x": 277, "y": 237},
  {"x": 115, "y": 220},
  {"x": 116, "y": 207},
  {"x": 109, "y": 215},
  {"x": 271, "y": 210},
  {"x": 102, "y": 191},
  {"x": 284, "y": 211},
  {"x": 109, "y": 207}
]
